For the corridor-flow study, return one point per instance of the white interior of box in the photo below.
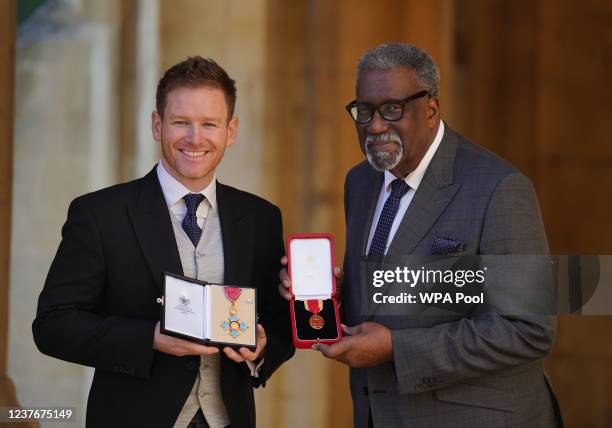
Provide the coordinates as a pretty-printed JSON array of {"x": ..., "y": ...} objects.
[
  {"x": 183, "y": 306},
  {"x": 311, "y": 268}
]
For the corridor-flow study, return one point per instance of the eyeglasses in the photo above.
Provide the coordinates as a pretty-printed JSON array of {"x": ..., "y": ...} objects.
[{"x": 391, "y": 111}]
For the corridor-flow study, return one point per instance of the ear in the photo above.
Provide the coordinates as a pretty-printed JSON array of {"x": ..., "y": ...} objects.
[
  {"x": 433, "y": 111},
  {"x": 232, "y": 131},
  {"x": 156, "y": 125}
]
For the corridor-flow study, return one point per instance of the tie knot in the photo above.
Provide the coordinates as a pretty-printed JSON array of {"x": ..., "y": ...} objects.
[
  {"x": 193, "y": 200},
  {"x": 398, "y": 188}
]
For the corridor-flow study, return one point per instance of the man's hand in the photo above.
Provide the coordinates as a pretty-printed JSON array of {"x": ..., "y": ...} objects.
[
  {"x": 247, "y": 355},
  {"x": 179, "y": 347},
  {"x": 285, "y": 283},
  {"x": 365, "y": 345}
]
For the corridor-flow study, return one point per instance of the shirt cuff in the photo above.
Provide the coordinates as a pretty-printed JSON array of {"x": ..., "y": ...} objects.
[{"x": 254, "y": 368}]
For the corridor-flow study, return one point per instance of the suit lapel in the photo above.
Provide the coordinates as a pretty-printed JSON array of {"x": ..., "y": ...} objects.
[
  {"x": 151, "y": 222},
  {"x": 368, "y": 197},
  {"x": 363, "y": 198},
  {"x": 433, "y": 195},
  {"x": 237, "y": 237}
]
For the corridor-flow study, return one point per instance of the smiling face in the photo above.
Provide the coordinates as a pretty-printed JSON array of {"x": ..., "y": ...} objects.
[
  {"x": 397, "y": 146},
  {"x": 194, "y": 132}
]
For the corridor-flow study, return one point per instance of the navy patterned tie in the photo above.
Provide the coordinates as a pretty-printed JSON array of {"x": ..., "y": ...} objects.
[
  {"x": 190, "y": 222},
  {"x": 379, "y": 241}
]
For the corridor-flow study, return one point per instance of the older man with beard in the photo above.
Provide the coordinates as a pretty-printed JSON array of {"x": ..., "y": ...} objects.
[{"x": 425, "y": 190}]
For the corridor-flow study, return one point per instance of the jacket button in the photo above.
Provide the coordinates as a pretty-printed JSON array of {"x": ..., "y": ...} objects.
[{"x": 365, "y": 391}]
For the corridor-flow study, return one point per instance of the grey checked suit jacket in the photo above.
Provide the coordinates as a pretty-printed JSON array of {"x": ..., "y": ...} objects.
[{"x": 483, "y": 370}]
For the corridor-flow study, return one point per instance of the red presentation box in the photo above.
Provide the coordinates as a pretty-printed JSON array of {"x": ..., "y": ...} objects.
[{"x": 314, "y": 309}]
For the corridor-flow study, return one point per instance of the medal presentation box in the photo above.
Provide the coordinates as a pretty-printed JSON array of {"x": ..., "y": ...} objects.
[
  {"x": 209, "y": 314},
  {"x": 314, "y": 309}
]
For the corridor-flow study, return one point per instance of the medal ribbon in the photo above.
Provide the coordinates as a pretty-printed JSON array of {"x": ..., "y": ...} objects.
[
  {"x": 314, "y": 306},
  {"x": 232, "y": 293}
]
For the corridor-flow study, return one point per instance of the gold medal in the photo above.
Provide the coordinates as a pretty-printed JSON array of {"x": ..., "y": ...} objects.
[{"x": 316, "y": 321}]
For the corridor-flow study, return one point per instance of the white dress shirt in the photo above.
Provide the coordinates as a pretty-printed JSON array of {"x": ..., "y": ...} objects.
[{"x": 174, "y": 191}]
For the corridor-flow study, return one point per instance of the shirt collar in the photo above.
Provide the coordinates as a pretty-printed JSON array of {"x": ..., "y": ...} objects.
[
  {"x": 415, "y": 177},
  {"x": 174, "y": 190}
]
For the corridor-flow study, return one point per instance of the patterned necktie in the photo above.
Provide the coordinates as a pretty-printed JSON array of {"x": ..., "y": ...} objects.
[
  {"x": 379, "y": 241},
  {"x": 190, "y": 222}
]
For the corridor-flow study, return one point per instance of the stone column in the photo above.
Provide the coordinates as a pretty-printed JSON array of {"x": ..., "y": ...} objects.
[
  {"x": 233, "y": 34},
  {"x": 65, "y": 145}
]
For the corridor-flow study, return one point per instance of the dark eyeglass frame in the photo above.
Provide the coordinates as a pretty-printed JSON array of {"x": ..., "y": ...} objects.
[{"x": 353, "y": 104}]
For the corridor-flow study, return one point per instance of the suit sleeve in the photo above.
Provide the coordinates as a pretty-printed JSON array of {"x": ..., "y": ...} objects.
[
  {"x": 435, "y": 357},
  {"x": 274, "y": 314},
  {"x": 69, "y": 323}
]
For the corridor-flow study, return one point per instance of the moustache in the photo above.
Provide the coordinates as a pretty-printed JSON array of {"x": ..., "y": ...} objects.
[{"x": 387, "y": 137}]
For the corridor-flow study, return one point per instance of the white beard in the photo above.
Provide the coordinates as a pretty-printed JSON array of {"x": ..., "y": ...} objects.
[{"x": 384, "y": 160}]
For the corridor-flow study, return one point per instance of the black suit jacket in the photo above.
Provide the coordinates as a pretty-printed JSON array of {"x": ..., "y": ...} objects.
[{"x": 98, "y": 307}]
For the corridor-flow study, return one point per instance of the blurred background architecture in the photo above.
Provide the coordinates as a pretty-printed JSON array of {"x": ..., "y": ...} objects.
[{"x": 528, "y": 79}]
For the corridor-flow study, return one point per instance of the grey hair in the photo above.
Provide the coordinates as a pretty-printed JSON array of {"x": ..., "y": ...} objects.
[{"x": 387, "y": 56}]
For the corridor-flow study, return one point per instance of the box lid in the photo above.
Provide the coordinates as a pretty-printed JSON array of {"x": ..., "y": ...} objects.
[{"x": 311, "y": 266}]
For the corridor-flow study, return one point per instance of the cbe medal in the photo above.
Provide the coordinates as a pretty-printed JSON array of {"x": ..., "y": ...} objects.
[
  {"x": 316, "y": 321},
  {"x": 233, "y": 325}
]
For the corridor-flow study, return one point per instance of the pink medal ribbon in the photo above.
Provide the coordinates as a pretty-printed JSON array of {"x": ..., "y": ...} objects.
[{"x": 232, "y": 293}]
